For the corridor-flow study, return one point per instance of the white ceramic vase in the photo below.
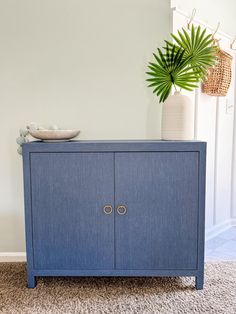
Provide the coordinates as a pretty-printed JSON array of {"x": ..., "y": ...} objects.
[{"x": 178, "y": 118}]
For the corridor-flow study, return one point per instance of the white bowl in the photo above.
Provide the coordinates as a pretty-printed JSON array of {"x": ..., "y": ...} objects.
[{"x": 54, "y": 135}]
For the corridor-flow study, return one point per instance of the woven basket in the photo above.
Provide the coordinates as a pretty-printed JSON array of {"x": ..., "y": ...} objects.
[{"x": 219, "y": 77}]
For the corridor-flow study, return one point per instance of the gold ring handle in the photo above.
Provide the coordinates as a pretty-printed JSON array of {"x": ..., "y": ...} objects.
[
  {"x": 107, "y": 209},
  {"x": 121, "y": 210}
]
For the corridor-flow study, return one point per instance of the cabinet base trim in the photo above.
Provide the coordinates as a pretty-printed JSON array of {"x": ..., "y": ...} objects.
[{"x": 122, "y": 273}]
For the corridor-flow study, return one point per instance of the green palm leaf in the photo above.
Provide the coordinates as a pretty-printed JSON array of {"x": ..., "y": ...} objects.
[
  {"x": 183, "y": 63},
  {"x": 199, "y": 47}
]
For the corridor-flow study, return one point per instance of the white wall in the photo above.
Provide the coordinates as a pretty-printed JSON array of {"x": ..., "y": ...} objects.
[
  {"x": 212, "y": 12},
  {"x": 75, "y": 63},
  {"x": 233, "y": 196},
  {"x": 215, "y": 124}
]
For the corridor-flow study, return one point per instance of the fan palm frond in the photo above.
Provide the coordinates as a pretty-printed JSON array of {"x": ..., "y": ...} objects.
[
  {"x": 199, "y": 46},
  {"x": 183, "y": 63},
  {"x": 171, "y": 68}
]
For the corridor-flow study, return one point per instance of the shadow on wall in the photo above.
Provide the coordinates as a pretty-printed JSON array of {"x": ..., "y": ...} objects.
[{"x": 153, "y": 123}]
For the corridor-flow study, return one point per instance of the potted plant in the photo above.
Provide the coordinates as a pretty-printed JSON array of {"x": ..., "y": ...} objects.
[{"x": 181, "y": 64}]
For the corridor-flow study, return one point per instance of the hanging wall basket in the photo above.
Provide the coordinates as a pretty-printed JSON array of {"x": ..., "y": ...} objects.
[{"x": 219, "y": 77}]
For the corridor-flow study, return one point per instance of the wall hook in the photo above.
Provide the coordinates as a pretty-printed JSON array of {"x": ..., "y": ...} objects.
[
  {"x": 191, "y": 18},
  {"x": 233, "y": 44},
  {"x": 216, "y": 30}
]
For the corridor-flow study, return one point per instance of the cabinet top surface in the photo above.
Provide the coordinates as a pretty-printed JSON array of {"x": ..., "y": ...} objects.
[{"x": 114, "y": 145}]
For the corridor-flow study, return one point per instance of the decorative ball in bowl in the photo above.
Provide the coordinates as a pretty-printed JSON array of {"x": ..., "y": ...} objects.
[{"x": 54, "y": 135}]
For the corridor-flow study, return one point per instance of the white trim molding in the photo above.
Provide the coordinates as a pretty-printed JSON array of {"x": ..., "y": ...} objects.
[
  {"x": 217, "y": 229},
  {"x": 233, "y": 222},
  {"x": 12, "y": 257},
  {"x": 199, "y": 21}
]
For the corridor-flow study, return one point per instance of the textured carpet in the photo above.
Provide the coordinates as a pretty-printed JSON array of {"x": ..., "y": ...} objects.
[{"x": 118, "y": 295}]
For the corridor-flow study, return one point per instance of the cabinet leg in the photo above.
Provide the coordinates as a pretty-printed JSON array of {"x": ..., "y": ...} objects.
[
  {"x": 199, "y": 281},
  {"x": 31, "y": 281}
]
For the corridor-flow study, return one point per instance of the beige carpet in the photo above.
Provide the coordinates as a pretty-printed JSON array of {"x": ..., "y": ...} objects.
[{"x": 118, "y": 295}]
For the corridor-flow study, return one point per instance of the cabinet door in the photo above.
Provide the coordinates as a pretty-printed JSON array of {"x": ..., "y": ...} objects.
[
  {"x": 160, "y": 192},
  {"x": 70, "y": 228}
]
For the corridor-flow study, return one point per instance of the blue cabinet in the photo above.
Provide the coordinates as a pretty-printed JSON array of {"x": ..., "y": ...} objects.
[
  {"x": 70, "y": 229},
  {"x": 114, "y": 208},
  {"x": 159, "y": 190}
]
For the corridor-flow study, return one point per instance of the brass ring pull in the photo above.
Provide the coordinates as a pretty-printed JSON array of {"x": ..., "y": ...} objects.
[
  {"x": 107, "y": 209},
  {"x": 121, "y": 210}
]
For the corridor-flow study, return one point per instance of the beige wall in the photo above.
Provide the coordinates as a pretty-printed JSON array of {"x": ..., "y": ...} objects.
[{"x": 75, "y": 63}]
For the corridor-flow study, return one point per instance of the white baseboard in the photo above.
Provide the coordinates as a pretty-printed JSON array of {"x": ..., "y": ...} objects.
[
  {"x": 217, "y": 229},
  {"x": 233, "y": 222},
  {"x": 12, "y": 257}
]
